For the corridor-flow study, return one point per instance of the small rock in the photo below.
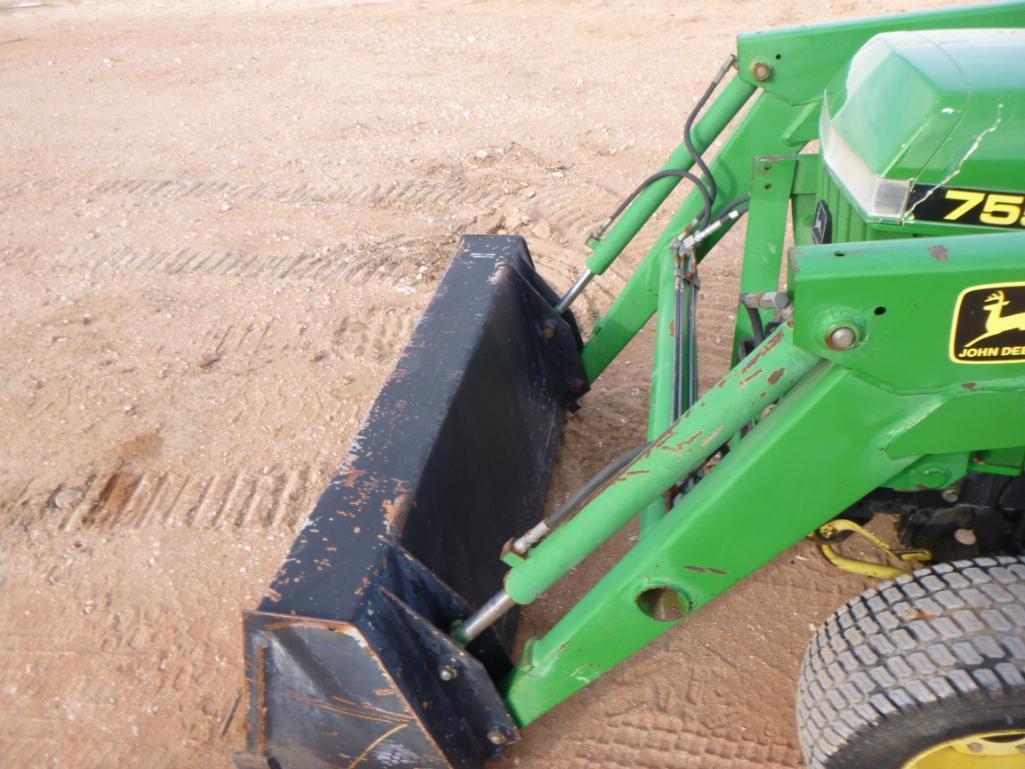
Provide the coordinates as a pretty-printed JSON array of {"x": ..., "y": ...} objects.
[
  {"x": 68, "y": 498},
  {"x": 542, "y": 230},
  {"x": 491, "y": 224},
  {"x": 208, "y": 359},
  {"x": 481, "y": 154}
]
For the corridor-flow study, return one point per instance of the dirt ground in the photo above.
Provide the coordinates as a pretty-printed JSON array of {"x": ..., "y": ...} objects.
[{"x": 219, "y": 222}]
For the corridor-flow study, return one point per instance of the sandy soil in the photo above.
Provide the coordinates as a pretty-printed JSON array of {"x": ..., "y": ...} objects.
[{"x": 219, "y": 223}]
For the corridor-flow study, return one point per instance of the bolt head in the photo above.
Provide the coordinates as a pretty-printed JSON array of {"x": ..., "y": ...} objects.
[
  {"x": 447, "y": 672},
  {"x": 761, "y": 71},
  {"x": 950, "y": 495},
  {"x": 773, "y": 300},
  {"x": 965, "y": 537},
  {"x": 496, "y": 737},
  {"x": 975, "y": 747},
  {"x": 842, "y": 338}
]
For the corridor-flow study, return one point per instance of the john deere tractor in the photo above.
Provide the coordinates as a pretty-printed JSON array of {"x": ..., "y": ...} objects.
[{"x": 878, "y": 370}]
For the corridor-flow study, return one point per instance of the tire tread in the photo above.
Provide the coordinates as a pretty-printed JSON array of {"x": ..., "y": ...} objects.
[{"x": 940, "y": 635}]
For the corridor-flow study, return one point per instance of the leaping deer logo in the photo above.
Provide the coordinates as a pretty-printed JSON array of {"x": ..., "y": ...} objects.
[{"x": 996, "y": 321}]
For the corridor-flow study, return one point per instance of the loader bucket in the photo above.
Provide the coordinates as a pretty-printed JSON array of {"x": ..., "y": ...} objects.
[{"x": 349, "y": 661}]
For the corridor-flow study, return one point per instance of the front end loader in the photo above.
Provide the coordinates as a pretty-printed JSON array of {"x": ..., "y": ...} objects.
[{"x": 878, "y": 369}]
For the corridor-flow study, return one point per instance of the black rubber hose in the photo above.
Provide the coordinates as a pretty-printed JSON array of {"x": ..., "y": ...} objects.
[
  {"x": 664, "y": 175},
  {"x": 709, "y": 190},
  {"x": 740, "y": 202},
  {"x": 584, "y": 492},
  {"x": 756, "y": 325},
  {"x": 688, "y": 140}
]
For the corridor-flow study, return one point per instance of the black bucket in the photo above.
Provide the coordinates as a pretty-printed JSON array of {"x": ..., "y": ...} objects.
[{"x": 348, "y": 658}]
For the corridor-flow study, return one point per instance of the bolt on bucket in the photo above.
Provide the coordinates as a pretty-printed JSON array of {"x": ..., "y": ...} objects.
[{"x": 348, "y": 658}]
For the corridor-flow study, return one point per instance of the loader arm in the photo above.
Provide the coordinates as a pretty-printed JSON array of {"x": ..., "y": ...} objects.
[{"x": 851, "y": 419}]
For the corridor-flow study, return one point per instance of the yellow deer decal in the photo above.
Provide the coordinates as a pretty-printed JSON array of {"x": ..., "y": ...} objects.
[{"x": 997, "y": 322}]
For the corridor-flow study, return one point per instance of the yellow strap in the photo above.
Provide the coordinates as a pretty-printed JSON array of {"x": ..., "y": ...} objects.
[{"x": 867, "y": 568}]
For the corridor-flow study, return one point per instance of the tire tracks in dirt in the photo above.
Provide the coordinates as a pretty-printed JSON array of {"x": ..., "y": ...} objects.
[
  {"x": 561, "y": 208},
  {"x": 127, "y": 498}
]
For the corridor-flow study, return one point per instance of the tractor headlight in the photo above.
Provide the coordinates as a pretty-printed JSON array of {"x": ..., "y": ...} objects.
[{"x": 875, "y": 195}]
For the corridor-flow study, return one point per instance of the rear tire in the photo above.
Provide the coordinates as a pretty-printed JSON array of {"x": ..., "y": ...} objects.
[{"x": 930, "y": 657}]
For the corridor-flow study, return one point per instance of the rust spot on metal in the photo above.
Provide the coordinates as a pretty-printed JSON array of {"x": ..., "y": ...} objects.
[
  {"x": 752, "y": 360},
  {"x": 749, "y": 378},
  {"x": 692, "y": 438},
  {"x": 362, "y": 589},
  {"x": 356, "y": 762},
  {"x": 939, "y": 253},
  {"x": 396, "y": 512},
  {"x": 776, "y": 375},
  {"x": 661, "y": 442},
  {"x": 350, "y": 710},
  {"x": 351, "y": 477},
  {"x": 969, "y": 385},
  {"x": 712, "y": 437},
  {"x": 261, "y": 694},
  {"x": 278, "y": 625},
  {"x": 367, "y": 705}
]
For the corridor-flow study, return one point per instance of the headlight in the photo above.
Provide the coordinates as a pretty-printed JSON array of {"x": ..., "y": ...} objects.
[{"x": 876, "y": 196}]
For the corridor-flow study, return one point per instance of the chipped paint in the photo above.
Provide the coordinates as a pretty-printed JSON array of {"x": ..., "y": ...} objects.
[
  {"x": 712, "y": 436},
  {"x": 749, "y": 378},
  {"x": 760, "y": 352},
  {"x": 396, "y": 512},
  {"x": 705, "y": 569},
  {"x": 353, "y": 712}
]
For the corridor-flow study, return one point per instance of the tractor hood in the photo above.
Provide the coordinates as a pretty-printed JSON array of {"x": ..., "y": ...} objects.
[{"x": 914, "y": 109}]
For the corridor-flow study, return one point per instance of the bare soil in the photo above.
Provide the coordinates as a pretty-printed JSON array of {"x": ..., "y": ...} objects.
[{"x": 219, "y": 223}]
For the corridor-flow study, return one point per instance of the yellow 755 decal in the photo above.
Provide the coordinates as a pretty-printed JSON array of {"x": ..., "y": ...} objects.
[{"x": 966, "y": 206}]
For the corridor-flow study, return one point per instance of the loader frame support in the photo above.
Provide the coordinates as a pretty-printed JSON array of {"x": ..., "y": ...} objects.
[
  {"x": 856, "y": 419},
  {"x": 719, "y": 534}
]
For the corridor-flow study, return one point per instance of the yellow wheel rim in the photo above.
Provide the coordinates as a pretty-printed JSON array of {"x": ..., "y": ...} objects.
[{"x": 994, "y": 750}]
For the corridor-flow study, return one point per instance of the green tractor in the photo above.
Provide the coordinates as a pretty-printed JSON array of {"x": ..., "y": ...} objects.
[{"x": 878, "y": 369}]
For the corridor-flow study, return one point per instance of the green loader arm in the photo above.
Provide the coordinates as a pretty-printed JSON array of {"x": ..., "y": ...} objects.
[{"x": 836, "y": 418}]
